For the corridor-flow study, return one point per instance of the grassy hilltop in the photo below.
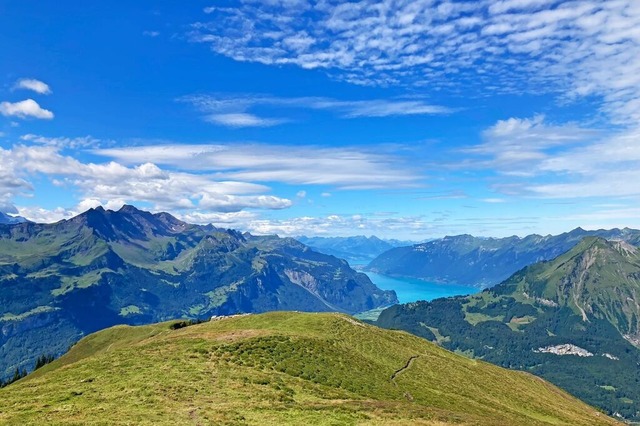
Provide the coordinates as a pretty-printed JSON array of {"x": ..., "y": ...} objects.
[{"x": 278, "y": 368}]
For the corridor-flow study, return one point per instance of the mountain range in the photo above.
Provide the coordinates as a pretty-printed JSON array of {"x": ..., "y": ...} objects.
[
  {"x": 61, "y": 281},
  {"x": 356, "y": 248},
  {"x": 6, "y": 219},
  {"x": 483, "y": 262},
  {"x": 574, "y": 320},
  {"x": 280, "y": 368}
]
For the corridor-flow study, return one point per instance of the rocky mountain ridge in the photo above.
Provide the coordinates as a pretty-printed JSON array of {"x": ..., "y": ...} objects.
[
  {"x": 61, "y": 281},
  {"x": 483, "y": 262}
]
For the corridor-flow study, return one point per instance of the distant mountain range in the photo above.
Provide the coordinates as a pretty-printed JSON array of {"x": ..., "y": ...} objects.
[
  {"x": 358, "y": 248},
  {"x": 483, "y": 262},
  {"x": 574, "y": 321},
  {"x": 280, "y": 368},
  {"x": 6, "y": 219},
  {"x": 61, "y": 281}
]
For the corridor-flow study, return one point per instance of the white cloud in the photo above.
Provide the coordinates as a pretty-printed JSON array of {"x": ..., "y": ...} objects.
[
  {"x": 379, "y": 107},
  {"x": 301, "y": 194},
  {"x": 89, "y": 203},
  {"x": 42, "y": 215},
  {"x": 25, "y": 109},
  {"x": 34, "y": 85},
  {"x": 535, "y": 158},
  {"x": 343, "y": 167},
  {"x": 63, "y": 142},
  {"x": 151, "y": 33},
  {"x": 383, "y": 225},
  {"x": 235, "y": 220},
  {"x": 325, "y": 194},
  {"x": 232, "y": 110},
  {"x": 113, "y": 182},
  {"x": 241, "y": 120},
  {"x": 519, "y": 146},
  {"x": 11, "y": 183},
  {"x": 511, "y": 5},
  {"x": 574, "y": 48}
]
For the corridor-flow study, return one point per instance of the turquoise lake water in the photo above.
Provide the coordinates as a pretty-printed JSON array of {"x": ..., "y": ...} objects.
[{"x": 411, "y": 289}]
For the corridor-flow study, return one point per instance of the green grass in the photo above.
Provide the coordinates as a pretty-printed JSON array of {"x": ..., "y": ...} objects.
[
  {"x": 20, "y": 317},
  {"x": 474, "y": 318},
  {"x": 439, "y": 337},
  {"x": 69, "y": 282},
  {"x": 517, "y": 323},
  {"x": 370, "y": 315},
  {"x": 130, "y": 310},
  {"x": 279, "y": 368}
]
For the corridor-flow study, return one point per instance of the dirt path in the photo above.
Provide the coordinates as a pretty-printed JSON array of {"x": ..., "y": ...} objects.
[{"x": 407, "y": 365}]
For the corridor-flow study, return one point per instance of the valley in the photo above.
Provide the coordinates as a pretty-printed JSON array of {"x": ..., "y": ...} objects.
[
  {"x": 568, "y": 320},
  {"x": 61, "y": 281},
  {"x": 289, "y": 212}
]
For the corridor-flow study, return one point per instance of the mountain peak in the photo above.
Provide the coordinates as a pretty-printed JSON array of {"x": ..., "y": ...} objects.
[
  {"x": 597, "y": 278},
  {"x": 128, "y": 208},
  {"x": 6, "y": 219},
  {"x": 601, "y": 248},
  {"x": 578, "y": 230},
  {"x": 129, "y": 223}
]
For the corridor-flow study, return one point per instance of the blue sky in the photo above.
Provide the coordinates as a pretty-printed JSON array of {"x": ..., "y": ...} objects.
[{"x": 404, "y": 119}]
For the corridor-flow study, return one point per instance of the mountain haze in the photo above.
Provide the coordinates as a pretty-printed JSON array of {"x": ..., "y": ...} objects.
[
  {"x": 6, "y": 219},
  {"x": 573, "y": 320},
  {"x": 483, "y": 262},
  {"x": 281, "y": 368},
  {"x": 350, "y": 248},
  {"x": 61, "y": 281}
]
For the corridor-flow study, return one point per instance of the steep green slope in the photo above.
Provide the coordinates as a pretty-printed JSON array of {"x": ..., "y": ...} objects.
[
  {"x": 280, "y": 368},
  {"x": 61, "y": 281},
  {"x": 483, "y": 262},
  {"x": 572, "y": 320}
]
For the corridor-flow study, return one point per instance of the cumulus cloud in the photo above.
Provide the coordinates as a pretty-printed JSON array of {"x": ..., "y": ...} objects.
[
  {"x": 540, "y": 159},
  {"x": 575, "y": 48},
  {"x": 43, "y": 215},
  {"x": 113, "y": 182},
  {"x": 384, "y": 224},
  {"x": 25, "y": 109},
  {"x": 518, "y": 146},
  {"x": 11, "y": 183},
  {"x": 34, "y": 85}
]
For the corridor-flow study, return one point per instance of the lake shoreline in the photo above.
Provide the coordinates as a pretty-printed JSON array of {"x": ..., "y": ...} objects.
[{"x": 414, "y": 289}]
